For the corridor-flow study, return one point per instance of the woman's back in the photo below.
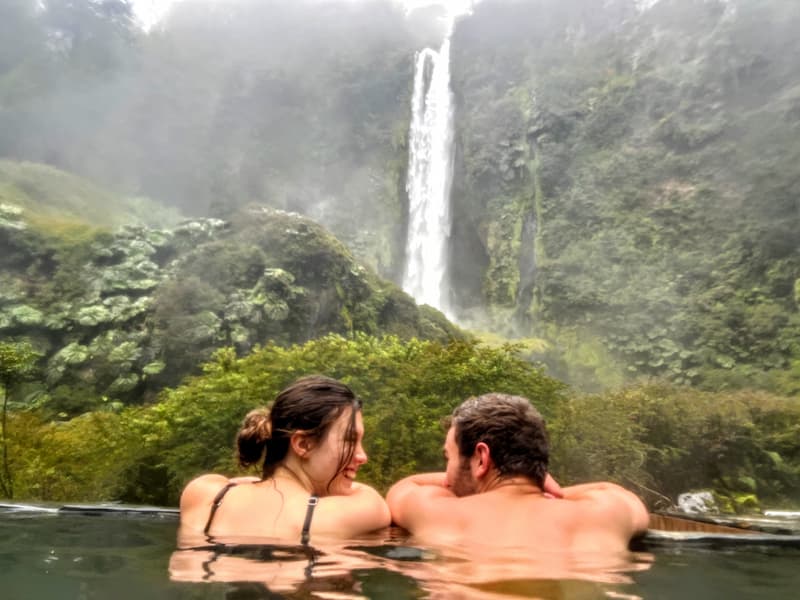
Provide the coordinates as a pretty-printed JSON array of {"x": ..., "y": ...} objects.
[
  {"x": 309, "y": 445},
  {"x": 277, "y": 508}
]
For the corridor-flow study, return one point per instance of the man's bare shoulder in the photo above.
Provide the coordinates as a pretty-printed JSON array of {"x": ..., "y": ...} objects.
[
  {"x": 608, "y": 506},
  {"x": 589, "y": 522}
]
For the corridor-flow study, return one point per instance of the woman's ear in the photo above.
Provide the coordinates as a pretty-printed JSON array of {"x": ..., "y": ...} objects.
[{"x": 301, "y": 443}]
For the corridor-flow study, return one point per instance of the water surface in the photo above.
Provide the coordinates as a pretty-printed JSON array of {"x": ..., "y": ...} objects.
[{"x": 76, "y": 556}]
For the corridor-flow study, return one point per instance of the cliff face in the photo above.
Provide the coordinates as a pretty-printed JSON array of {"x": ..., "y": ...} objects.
[{"x": 627, "y": 184}]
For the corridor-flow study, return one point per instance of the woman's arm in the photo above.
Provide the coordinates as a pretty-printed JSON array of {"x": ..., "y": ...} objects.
[{"x": 361, "y": 511}]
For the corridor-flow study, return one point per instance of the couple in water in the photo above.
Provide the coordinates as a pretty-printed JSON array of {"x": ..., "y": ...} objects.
[{"x": 495, "y": 491}]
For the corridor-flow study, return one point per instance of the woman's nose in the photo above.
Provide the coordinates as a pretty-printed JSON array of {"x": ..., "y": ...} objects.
[{"x": 360, "y": 456}]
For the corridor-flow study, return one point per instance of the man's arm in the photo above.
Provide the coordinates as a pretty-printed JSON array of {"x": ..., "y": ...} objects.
[
  {"x": 410, "y": 499},
  {"x": 623, "y": 506}
]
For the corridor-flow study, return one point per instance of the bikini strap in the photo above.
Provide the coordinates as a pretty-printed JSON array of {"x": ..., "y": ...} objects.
[
  {"x": 312, "y": 504},
  {"x": 215, "y": 505}
]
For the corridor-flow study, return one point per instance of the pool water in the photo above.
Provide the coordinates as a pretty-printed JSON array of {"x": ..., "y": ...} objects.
[{"x": 57, "y": 555}]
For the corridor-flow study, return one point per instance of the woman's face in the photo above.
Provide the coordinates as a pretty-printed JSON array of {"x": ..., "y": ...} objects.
[{"x": 323, "y": 459}]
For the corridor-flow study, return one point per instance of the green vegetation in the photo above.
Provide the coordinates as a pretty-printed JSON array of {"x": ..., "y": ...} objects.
[
  {"x": 662, "y": 440},
  {"x": 657, "y": 439},
  {"x": 655, "y": 152},
  {"x": 16, "y": 364},
  {"x": 146, "y": 454},
  {"x": 117, "y": 316},
  {"x": 56, "y": 202}
]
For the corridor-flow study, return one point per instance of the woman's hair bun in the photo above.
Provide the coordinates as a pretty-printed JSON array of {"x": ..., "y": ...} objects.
[
  {"x": 253, "y": 435},
  {"x": 257, "y": 423}
]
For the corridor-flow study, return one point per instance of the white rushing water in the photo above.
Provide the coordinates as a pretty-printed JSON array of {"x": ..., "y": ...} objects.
[{"x": 430, "y": 168}]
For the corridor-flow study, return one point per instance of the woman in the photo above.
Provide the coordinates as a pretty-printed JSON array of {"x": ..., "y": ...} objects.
[{"x": 310, "y": 445}]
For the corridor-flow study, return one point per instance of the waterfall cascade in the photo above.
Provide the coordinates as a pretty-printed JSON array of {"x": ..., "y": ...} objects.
[{"x": 430, "y": 168}]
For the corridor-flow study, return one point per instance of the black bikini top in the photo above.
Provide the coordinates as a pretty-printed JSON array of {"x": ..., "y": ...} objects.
[{"x": 304, "y": 536}]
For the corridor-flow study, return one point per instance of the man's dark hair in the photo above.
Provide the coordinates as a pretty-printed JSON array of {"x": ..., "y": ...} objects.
[{"x": 512, "y": 428}]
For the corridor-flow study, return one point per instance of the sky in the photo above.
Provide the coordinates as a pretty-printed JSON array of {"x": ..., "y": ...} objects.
[{"x": 150, "y": 11}]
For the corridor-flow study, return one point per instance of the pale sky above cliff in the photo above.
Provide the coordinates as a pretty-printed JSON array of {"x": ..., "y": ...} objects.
[{"x": 150, "y": 11}]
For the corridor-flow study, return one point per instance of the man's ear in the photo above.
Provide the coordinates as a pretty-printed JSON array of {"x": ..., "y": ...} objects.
[
  {"x": 481, "y": 460},
  {"x": 301, "y": 443}
]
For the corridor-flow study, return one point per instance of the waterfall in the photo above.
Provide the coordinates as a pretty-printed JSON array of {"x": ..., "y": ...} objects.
[{"x": 430, "y": 169}]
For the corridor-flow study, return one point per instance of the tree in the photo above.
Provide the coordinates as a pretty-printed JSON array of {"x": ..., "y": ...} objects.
[{"x": 17, "y": 361}]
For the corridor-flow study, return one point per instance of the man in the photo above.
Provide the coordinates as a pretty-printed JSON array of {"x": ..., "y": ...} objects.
[{"x": 497, "y": 491}]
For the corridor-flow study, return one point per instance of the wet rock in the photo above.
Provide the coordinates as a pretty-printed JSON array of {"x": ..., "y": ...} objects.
[{"x": 697, "y": 502}]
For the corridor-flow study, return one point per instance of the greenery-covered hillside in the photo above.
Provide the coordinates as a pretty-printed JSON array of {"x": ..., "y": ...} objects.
[
  {"x": 50, "y": 199},
  {"x": 627, "y": 181},
  {"x": 117, "y": 315}
]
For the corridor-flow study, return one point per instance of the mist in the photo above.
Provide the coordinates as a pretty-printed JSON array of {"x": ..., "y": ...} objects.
[{"x": 622, "y": 169}]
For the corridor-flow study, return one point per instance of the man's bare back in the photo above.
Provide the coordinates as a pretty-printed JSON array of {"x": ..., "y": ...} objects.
[
  {"x": 496, "y": 490},
  {"x": 588, "y": 518}
]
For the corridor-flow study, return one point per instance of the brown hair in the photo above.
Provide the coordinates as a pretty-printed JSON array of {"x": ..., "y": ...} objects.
[
  {"x": 512, "y": 428},
  {"x": 310, "y": 404}
]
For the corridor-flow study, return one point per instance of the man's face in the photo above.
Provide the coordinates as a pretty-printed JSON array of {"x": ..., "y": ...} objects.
[{"x": 459, "y": 476}]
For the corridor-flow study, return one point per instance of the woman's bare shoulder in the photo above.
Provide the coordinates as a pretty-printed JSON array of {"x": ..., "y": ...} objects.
[{"x": 202, "y": 489}]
